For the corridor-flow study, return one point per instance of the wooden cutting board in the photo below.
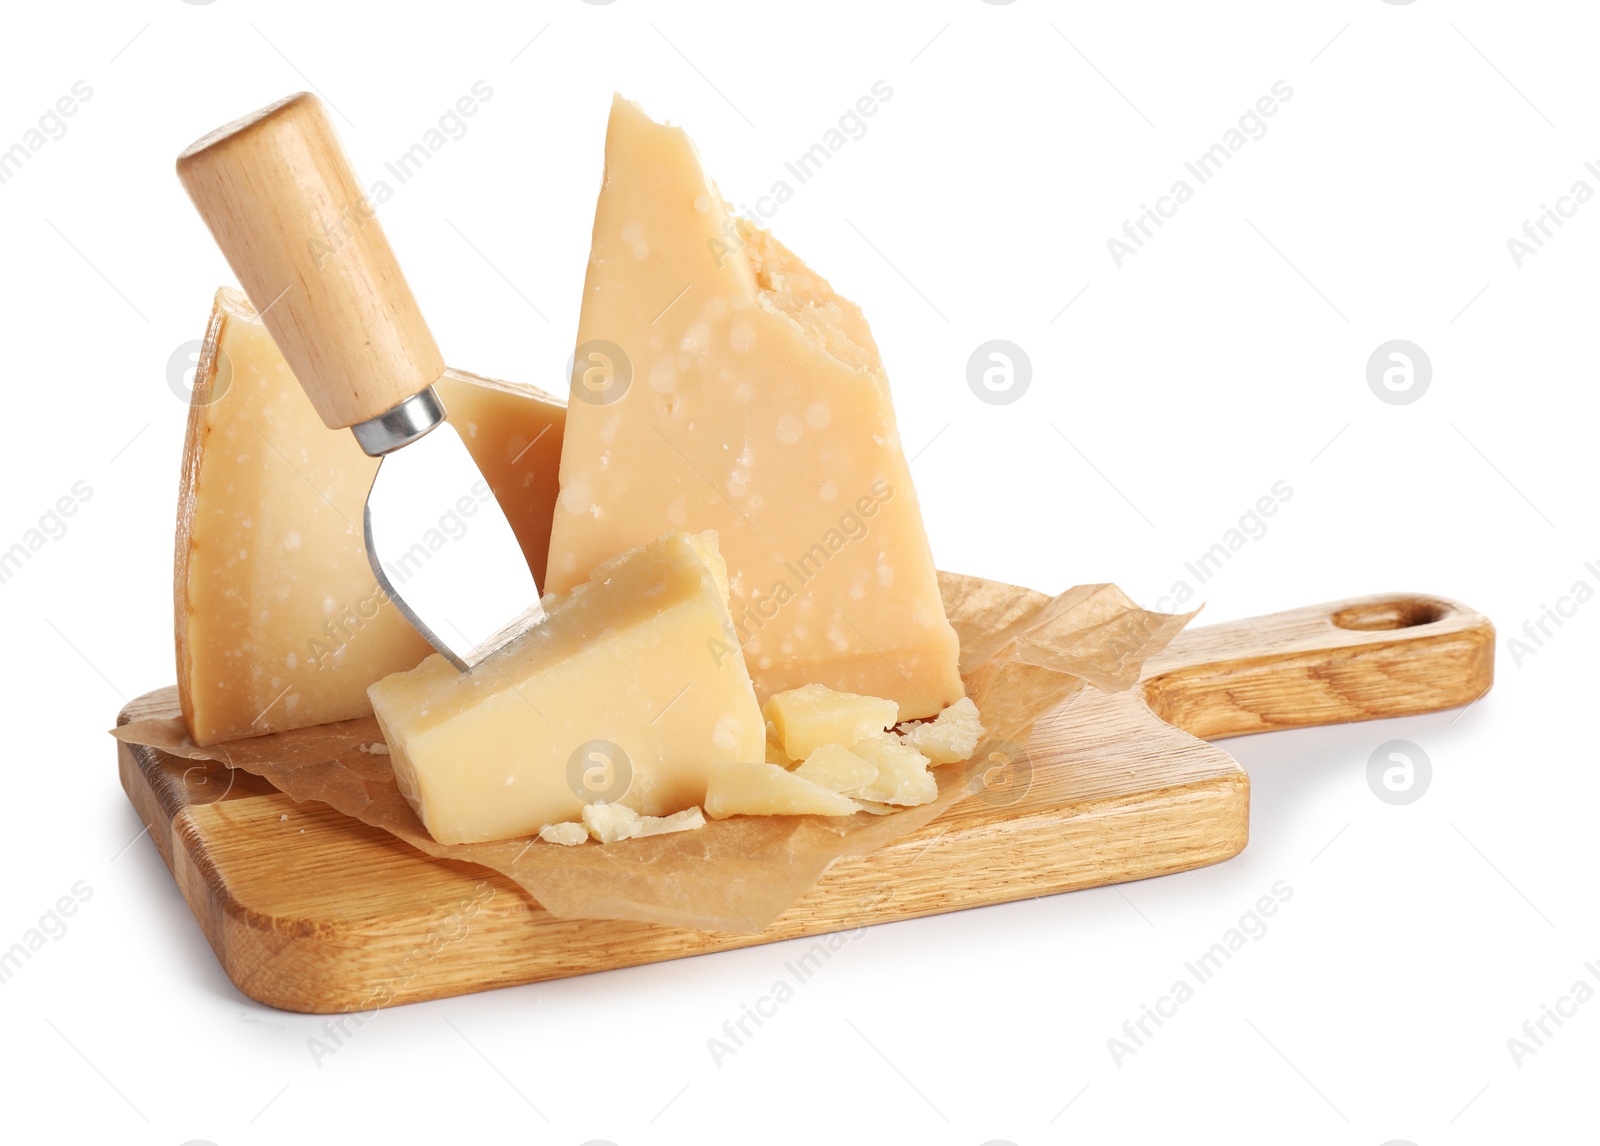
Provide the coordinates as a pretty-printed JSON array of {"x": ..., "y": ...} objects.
[{"x": 309, "y": 910}]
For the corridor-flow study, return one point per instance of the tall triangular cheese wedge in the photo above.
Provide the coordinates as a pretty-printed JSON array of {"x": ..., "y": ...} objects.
[
  {"x": 720, "y": 384},
  {"x": 280, "y": 622}
]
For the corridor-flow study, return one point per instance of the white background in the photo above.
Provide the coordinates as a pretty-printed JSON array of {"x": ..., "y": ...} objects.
[{"x": 1227, "y": 355}]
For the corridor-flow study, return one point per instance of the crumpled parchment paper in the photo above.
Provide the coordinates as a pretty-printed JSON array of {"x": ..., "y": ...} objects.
[{"x": 1022, "y": 653}]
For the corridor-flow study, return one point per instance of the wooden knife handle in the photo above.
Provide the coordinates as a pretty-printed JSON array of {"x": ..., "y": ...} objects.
[
  {"x": 1397, "y": 654},
  {"x": 284, "y": 206}
]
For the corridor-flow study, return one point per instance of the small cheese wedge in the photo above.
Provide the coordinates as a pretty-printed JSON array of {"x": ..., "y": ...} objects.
[
  {"x": 902, "y": 772},
  {"x": 950, "y": 738},
  {"x": 721, "y": 384},
  {"x": 568, "y": 834},
  {"x": 768, "y": 790},
  {"x": 837, "y": 769},
  {"x": 280, "y": 623},
  {"x": 804, "y": 719},
  {"x": 614, "y": 690}
]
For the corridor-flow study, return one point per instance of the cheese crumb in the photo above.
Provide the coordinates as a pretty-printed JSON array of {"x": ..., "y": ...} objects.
[
  {"x": 837, "y": 769},
  {"x": 949, "y": 738},
  {"x": 568, "y": 835},
  {"x": 611, "y": 822},
  {"x": 902, "y": 772}
]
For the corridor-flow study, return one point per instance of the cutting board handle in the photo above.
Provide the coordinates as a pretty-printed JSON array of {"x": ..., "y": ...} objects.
[
  {"x": 304, "y": 239},
  {"x": 1395, "y": 654}
]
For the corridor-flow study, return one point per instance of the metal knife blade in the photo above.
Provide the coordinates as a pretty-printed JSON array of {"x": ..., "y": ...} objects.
[{"x": 442, "y": 549}]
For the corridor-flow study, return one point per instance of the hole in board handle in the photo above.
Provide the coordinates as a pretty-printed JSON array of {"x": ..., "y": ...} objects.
[{"x": 1380, "y": 616}]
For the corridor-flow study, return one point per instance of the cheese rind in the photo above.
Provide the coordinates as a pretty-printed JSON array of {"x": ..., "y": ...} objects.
[
  {"x": 614, "y": 696},
  {"x": 279, "y": 621},
  {"x": 737, "y": 392}
]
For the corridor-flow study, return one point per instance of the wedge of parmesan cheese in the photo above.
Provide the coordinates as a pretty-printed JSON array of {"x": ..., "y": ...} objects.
[
  {"x": 719, "y": 383},
  {"x": 612, "y": 697},
  {"x": 280, "y": 623}
]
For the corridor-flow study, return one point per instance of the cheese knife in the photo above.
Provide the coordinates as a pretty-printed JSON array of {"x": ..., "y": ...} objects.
[{"x": 281, "y": 201}]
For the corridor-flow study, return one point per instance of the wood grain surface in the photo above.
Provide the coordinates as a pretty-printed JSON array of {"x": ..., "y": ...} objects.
[{"x": 309, "y": 910}]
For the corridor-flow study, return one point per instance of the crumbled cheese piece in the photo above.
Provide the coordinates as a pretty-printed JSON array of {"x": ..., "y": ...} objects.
[
  {"x": 808, "y": 717},
  {"x": 903, "y": 777},
  {"x": 768, "y": 790},
  {"x": 877, "y": 809},
  {"x": 568, "y": 834},
  {"x": 950, "y": 738},
  {"x": 837, "y": 769},
  {"x": 684, "y": 821},
  {"x": 611, "y": 822}
]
